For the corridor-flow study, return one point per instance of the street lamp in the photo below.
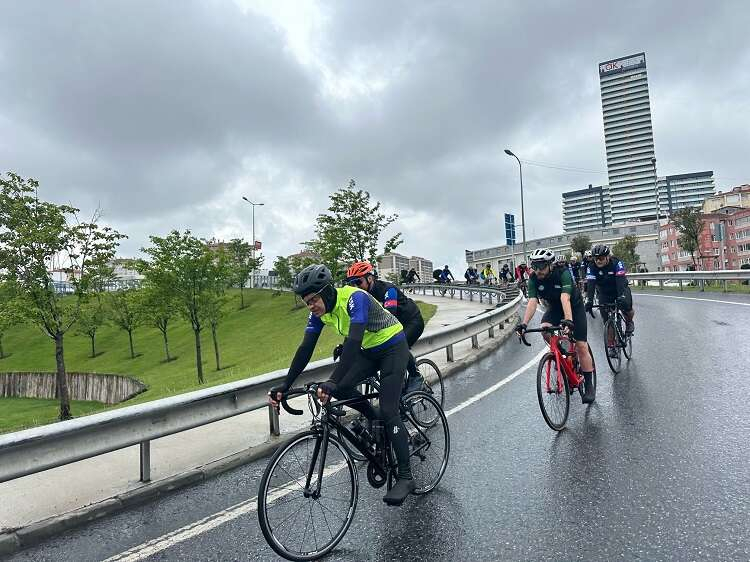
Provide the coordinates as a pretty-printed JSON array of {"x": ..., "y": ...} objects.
[
  {"x": 656, "y": 190},
  {"x": 523, "y": 218},
  {"x": 252, "y": 277}
]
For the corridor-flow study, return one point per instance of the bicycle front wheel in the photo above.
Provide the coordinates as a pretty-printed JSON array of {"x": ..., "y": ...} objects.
[
  {"x": 429, "y": 444},
  {"x": 553, "y": 392},
  {"x": 301, "y": 521},
  {"x": 433, "y": 379},
  {"x": 625, "y": 340},
  {"x": 612, "y": 347}
]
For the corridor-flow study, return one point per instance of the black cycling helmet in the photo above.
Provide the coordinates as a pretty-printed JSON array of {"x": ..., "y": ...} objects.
[
  {"x": 312, "y": 279},
  {"x": 600, "y": 250}
]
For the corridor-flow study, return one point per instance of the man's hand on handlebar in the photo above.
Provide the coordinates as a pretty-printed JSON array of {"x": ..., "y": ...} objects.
[
  {"x": 325, "y": 390},
  {"x": 276, "y": 395},
  {"x": 521, "y": 328},
  {"x": 567, "y": 325}
]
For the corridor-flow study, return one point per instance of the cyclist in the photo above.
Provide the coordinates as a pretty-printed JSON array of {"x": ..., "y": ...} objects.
[
  {"x": 445, "y": 274},
  {"x": 470, "y": 275},
  {"x": 375, "y": 341},
  {"x": 607, "y": 273},
  {"x": 360, "y": 274},
  {"x": 412, "y": 275},
  {"x": 505, "y": 273},
  {"x": 488, "y": 274},
  {"x": 554, "y": 285},
  {"x": 585, "y": 262},
  {"x": 575, "y": 268}
]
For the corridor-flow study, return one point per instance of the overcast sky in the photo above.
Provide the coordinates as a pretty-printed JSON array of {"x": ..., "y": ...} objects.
[{"x": 166, "y": 113}]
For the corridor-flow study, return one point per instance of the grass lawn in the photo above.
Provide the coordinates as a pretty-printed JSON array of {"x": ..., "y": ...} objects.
[
  {"x": 715, "y": 288},
  {"x": 260, "y": 338}
]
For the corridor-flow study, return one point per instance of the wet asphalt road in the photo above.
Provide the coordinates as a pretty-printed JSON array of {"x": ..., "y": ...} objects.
[{"x": 657, "y": 469}]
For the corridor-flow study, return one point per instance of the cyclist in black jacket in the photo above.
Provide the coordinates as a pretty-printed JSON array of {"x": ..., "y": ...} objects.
[
  {"x": 361, "y": 275},
  {"x": 608, "y": 274}
]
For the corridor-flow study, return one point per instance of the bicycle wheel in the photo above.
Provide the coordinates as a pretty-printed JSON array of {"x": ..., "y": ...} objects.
[
  {"x": 429, "y": 444},
  {"x": 553, "y": 392},
  {"x": 625, "y": 340},
  {"x": 301, "y": 524},
  {"x": 433, "y": 379},
  {"x": 612, "y": 348}
]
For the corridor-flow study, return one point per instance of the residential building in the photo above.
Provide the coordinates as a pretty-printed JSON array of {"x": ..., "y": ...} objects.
[
  {"x": 391, "y": 264},
  {"x": 647, "y": 233},
  {"x": 684, "y": 190},
  {"x": 423, "y": 267},
  {"x": 738, "y": 197},
  {"x": 586, "y": 208},
  {"x": 628, "y": 137},
  {"x": 724, "y": 242},
  {"x": 263, "y": 279}
]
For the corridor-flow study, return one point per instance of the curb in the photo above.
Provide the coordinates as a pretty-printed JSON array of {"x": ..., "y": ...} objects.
[{"x": 13, "y": 540}]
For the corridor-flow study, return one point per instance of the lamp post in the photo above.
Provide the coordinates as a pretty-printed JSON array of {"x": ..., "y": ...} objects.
[
  {"x": 523, "y": 218},
  {"x": 252, "y": 277},
  {"x": 656, "y": 190}
]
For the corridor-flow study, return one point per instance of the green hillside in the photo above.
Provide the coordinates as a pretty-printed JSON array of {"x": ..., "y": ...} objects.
[{"x": 258, "y": 339}]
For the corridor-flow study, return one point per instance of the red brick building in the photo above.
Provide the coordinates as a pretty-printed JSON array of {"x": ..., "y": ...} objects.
[{"x": 713, "y": 253}]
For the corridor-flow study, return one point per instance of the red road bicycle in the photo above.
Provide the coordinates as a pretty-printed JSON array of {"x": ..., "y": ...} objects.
[{"x": 558, "y": 375}]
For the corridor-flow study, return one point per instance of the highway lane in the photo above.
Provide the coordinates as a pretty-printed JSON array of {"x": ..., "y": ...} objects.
[{"x": 656, "y": 469}]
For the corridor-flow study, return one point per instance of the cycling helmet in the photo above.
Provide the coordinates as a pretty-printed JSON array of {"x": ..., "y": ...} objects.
[
  {"x": 573, "y": 258},
  {"x": 587, "y": 254},
  {"x": 312, "y": 279},
  {"x": 542, "y": 254},
  {"x": 359, "y": 269},
  {"x": 600, "y": 250}
]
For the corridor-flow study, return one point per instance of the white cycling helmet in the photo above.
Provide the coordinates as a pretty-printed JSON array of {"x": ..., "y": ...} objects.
[
  {"x": 542, "y": 254},
  {"x": 574, "y": 258},
  {"x": 587, "y": 254}
]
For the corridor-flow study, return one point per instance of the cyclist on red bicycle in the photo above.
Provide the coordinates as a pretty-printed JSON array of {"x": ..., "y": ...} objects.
[
  {"x": 608, "y": 274},
  {"x": 374, "y": 342},
  {"x": 555, "y": 286}
]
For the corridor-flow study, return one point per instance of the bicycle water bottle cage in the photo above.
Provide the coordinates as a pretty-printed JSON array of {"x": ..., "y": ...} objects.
[{"x": 565, "y": 346}]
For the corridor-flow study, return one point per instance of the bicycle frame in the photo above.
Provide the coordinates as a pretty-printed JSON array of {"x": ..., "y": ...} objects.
[{"x": 564, "y": 362}]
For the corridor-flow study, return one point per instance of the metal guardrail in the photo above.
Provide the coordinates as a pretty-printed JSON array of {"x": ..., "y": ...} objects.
[
  {"x": 699, "y": 278},
  {"x": 42, "y": 448}
]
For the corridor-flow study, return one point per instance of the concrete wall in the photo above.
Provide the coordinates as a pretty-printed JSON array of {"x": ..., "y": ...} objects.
[{"x": 109, "y": 389}]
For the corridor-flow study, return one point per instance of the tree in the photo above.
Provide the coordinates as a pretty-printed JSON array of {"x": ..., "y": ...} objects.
[
  {"x": 33, "y": 233},
  {"x": 183, "y": 263},
  {"x": 580, "y": 243},
  {"x": 352, "y": 229},
  {"x": 8, "y": 313},
  {"x": 159, "y": 308},
  {"x": 126, "y": 312},
  {"x": 90, "y": 319},
  {"x": 689, "y": 224},
  {"x": 215, "y": 299},
  {"x": 625, "y": 250},
  {"x": 283, "y": 272},
  {"x": 242, "y": 264}
]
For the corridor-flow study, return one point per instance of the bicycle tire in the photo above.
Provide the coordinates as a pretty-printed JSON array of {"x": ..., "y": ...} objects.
[
  {"x": 267, "y": 498},
  {"x": 626, "y": 340},
  {"x": 542, "y": 390},
  {"x": 615, "y": 363},
  {"x": 433, "y": 379},
  {"x": 426, "y": 440}
]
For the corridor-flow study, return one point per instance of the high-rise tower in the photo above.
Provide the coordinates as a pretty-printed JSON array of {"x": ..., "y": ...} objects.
[{"x": 629, "y": 139}]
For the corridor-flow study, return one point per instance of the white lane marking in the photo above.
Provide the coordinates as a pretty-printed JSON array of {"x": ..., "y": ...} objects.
[
  {"x": 159, "y": 544},
  {"x": 692, "y": 299}
]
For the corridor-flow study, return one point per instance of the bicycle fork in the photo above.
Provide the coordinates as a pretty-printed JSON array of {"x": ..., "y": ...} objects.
[{"x": 320, "y": 451}]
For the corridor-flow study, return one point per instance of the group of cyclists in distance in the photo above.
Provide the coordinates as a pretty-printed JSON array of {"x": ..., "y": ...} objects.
[{"x": 379, "y": 324}]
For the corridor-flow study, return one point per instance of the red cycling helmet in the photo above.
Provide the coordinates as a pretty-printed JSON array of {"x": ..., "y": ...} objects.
[{"x": 359, "y": 269}]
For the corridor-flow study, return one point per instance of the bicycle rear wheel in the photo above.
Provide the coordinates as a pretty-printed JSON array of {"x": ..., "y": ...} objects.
[
  {"x": 433, "y": 379},
  {"x": 429, "y": 444},
  {"x": 625, "y": 340},
  {"x": 612, "y": 347},
  {"x": 553, "y": 392},
  {"x": 297, "y": 523}
]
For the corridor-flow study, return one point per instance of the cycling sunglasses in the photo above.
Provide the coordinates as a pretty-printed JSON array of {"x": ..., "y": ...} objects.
[
  {"x": 355, "y": 281},
  {"x": 538, "y": 266}
]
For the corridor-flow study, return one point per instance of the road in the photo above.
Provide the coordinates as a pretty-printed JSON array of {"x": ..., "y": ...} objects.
[{"x": 657, "y": 469}]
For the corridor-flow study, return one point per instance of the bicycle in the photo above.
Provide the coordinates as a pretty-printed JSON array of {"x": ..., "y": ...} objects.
[
  {"x": 617, "y": 342},
  {"x": 433, "y": 385},
  {"x": 557, "y": 375},
  {"x": 314, "y": 479}
]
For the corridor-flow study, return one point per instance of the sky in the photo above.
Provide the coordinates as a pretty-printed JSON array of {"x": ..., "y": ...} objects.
[{"x": 165, "y": 114}]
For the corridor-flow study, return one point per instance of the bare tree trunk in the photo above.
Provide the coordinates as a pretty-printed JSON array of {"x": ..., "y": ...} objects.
[
  {"x": 216, "y": 346},
  {"x": 198, "y": 359},
  {"x": 242, "y": 296},
  {"x": 2, "y": 352},
  {"x": 130, "y": 338},
  {"x": 93, "y": 346},
  {"x": 166, "y": 345},
  {"x": 62, "y": 381}
]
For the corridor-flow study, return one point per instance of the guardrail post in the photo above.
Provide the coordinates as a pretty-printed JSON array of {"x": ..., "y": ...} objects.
[
  {"x": 475, "y": 342},
  {"x": 491, "y": 332},
  {"x": 449, "y": 353},
  {"x": 273, "y": 421},
  {"x": 725, "y": 285},
  {"x": 680, "y": 284},
  {"x": 433, "y": 291},
  {"x": 471, "y": 295},
  {"x": 461, "y": 294},
  {"x": 661, "y": 284},
  {"x": 145, "y": 461},
  {"x": 480, "y": 296},
  {"x": 703, "y": 285}
]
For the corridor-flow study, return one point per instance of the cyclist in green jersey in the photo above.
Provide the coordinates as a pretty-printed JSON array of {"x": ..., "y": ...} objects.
[
  {"x": 375, "y": 341},
  {"x": 555, "y": 286}
]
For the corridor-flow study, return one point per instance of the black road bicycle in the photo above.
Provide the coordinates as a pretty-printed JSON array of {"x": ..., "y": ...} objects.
[
  {"x": 617, "y": 342},
  {"x": 310, "y": 488}
]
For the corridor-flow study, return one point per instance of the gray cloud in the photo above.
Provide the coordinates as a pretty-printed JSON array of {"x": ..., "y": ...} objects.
[{"x": 166, "y": 113}]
